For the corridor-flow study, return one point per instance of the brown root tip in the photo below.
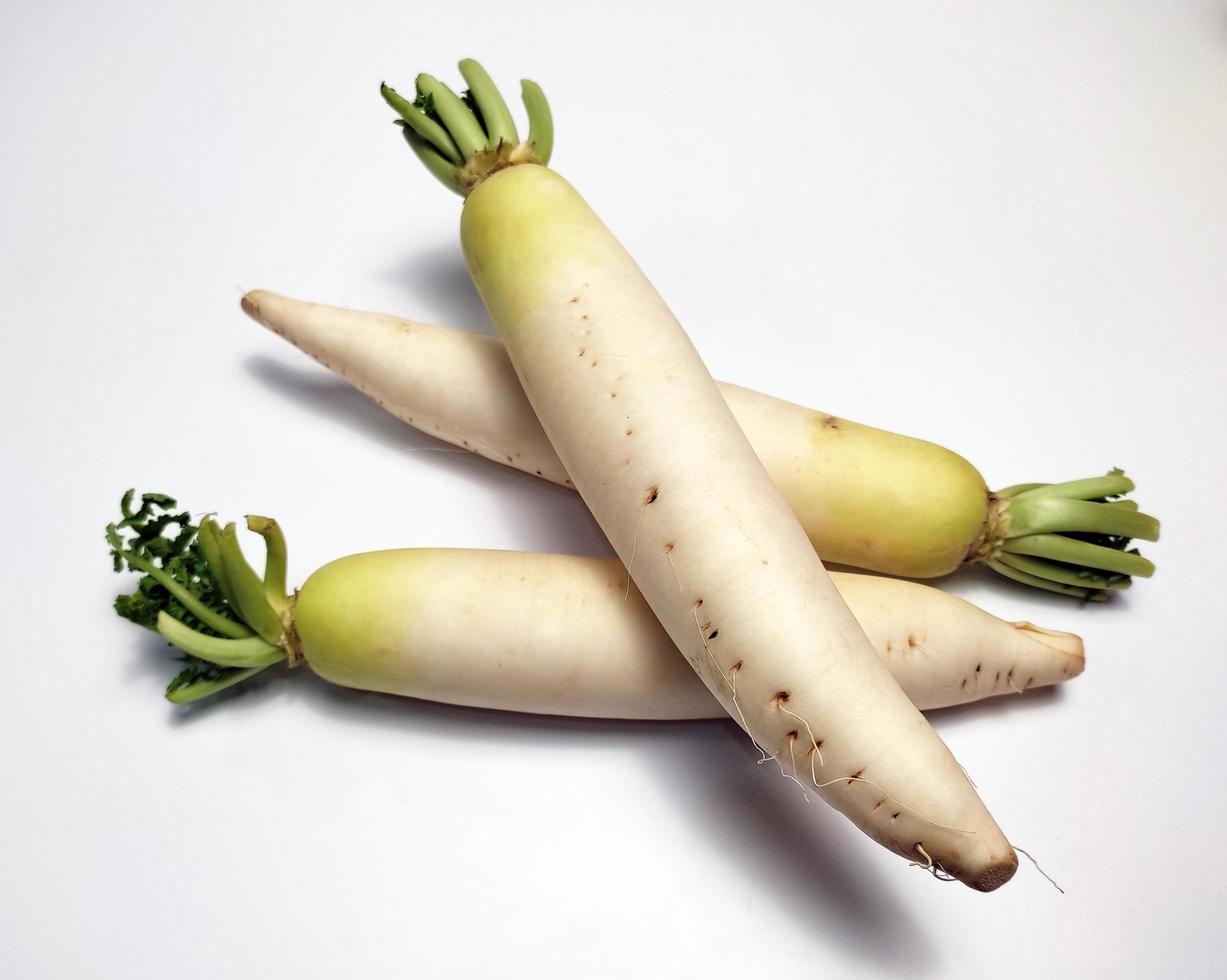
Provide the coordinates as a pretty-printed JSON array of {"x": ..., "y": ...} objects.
[
  {"x": 250, "y": 307},
  {"x": 996, "y": 875}
]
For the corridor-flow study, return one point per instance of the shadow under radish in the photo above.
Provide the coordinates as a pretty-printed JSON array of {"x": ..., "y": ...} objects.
[
  {"x": 799, "y": 858},
  {"x": 438, "y": 285},
  {"x": 803, "y": 857}
]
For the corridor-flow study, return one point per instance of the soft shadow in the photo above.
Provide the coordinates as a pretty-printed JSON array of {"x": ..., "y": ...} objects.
[
  {"x": 967, "y": 580},
  {"x": 436, "y": 278},
  {"x": 802, "y": 857},
  {"x": 551, "y": 518},
  {"x": 999, "y": 707}
]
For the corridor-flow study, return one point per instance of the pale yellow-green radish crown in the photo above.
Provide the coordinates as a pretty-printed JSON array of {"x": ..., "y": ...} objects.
[{"x": 463, "y": 139}]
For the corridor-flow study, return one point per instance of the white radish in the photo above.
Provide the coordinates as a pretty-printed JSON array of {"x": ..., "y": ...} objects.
[
  {"x": 552, "y": 634},
  {"x": 558, "y": 634},
  {"x": 866, "y": 497},
  {"x": 654, "y": 451}
]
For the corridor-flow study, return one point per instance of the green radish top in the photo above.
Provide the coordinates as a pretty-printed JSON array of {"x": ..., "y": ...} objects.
[
  {"x": 1073, "y": 538},
  {"x": 463, "y": 139},
  {"x": 198, "y": 591}
]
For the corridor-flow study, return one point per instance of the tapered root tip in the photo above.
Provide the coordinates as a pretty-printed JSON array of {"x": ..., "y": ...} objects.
[
  {"x": 996, "y": 875},
  {"x": 1069, "y": 644},
  {"x": 251, "y": 305}
]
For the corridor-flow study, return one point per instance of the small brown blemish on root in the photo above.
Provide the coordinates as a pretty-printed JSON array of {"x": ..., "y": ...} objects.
[
  {"x": 713, "y": 634},
  {"x": 511, "y": 459},
  {"x": 568, "y": 482},
  {"x": 411, "y": 420},
  {"x": 855, "y": 776},
  {"x": 963, "y": 684},
  {"x": 613, "y": 394},
  {"x": 735, "y": 668},
  {"x": 878, "y": 804},
  {"x": 1028, "y": 683},
  {"x": 669, "y": 548},
  {"x": 781, "y": 697},
  {"x": 978, "y": 666},
  {"x": 630, "y": 432},
  {"x": 581, "y": 352},
  {"x": 697, "y": 604},
  {"x": 574, "y": 299},
  {"x": 895, "y": 816},
  {"x": 594, "y": 363},
  {"x": 997, "y": 679},
  {"x": 538, "y": 473},
  {"x": 792, "y": 736},
  {"x": 911, "y": 640},
  {"x": 649, "y": 497},
  {"x": 830, "y": 422},
  {"x": 583, "y": 316},
  {"x": 764, "y": 561}
]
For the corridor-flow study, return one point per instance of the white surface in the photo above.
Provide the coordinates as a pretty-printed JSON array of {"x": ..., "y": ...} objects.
[{"x": 1002, "y": 226}]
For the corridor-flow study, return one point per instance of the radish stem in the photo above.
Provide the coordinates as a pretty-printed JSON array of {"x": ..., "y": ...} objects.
[
  {"x": 195, "y": 607},
  {"x": 540, "y": 120},
  {"x": 210, "y": 539},
  {"x": 275, "y": 564},
  {"x": 495, "y": 118},
  {"x": 458, "y": 119},
  {"x": 422, "y": 125},
  {"x": 249, "y": 589},
  {"x": 250, "y": 651}
]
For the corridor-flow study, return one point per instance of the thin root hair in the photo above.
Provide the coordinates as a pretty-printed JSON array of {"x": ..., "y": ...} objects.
[
  {"x": 1028, "y": 856},
  {"x": 634, "y": 547},
  {"x": 817, "y": 750}
]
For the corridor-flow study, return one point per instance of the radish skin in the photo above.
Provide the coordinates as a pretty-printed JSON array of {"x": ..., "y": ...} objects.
[
  {"x": 559, "y": 634},
  {"x": 866, "y": 497}
]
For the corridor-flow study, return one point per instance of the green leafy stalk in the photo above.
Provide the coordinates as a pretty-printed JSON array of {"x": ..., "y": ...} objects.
[
  {"x": 540, "y": 120},
  {"x": 1073, "y": 538},
  {"x": 249, "y": 589},
  {"x": 462, "y": 140},
  {"x": 456, "y": 117},
  {"x": 189, "y": 589},
  {"x": 499, "y": 126},
  {"x": 274, "y": 562},
  {"x": 419, "y": 122}
]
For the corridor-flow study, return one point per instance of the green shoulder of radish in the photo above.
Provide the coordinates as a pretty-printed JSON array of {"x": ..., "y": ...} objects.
[
  {"x": 556, "y": 634},
  {"x": 866, "y": 497},
  {"x": 650, "y": 444}
]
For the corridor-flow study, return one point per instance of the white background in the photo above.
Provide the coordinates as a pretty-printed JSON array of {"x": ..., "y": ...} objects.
[{"x": 1000, "y": 226}]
